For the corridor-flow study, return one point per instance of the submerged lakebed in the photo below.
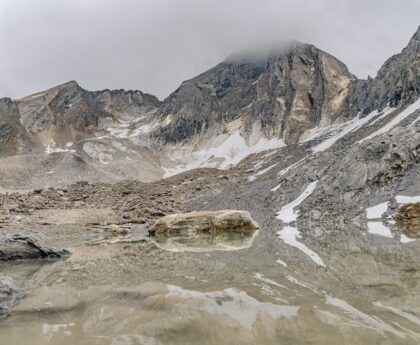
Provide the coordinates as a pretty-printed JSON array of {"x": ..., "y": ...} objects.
[{"x": 258, "y": 289}]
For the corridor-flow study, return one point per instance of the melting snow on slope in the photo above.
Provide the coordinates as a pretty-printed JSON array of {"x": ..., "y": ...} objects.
[
  {"x": 406, "y": 239},
  {"x": 123, "y": 130},
  {"x": 376, "y": 212},
  {"x": 227, "y": 154},
  {"x": 288, "y": 214},
  {"x": 290, "y": 235},
  {"x": 349, "y": 127},
  {"x": 294, "y": 165},
  {"x": 275, "y": 188},
  {"x": 261, "y": 172},
  {"x": 402, "y": 199},
  {"x": 268, "y": 281},
  {"x": 378, "y": 228},
  {"x": 395, "y": 121},
  {"x": 281, "y": 262}
]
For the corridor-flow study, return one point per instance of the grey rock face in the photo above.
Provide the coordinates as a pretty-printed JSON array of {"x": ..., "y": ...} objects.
[
  {"x": 68, "y": 106},
  {"x": 13, "y": 137},
  {"x": 287, "y": 91},
  {"x": 27, "y": 246},
  {"x": 10, "y": 294},
  {"x": 397, "y": 82}
]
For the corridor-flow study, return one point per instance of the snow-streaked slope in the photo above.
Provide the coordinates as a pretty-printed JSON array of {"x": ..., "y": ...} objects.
[
  {"x": 395, "y": 121},
  {"x": 228, "y": 153},
  {"x": 349, "y": 127}
]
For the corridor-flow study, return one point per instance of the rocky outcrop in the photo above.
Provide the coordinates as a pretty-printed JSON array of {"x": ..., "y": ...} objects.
[
  {"x": 10, "y": 294},
  {"x": 28, "y": 246},
  {"x": 283, "y": 94},
  {"x": 13, "y": 137},
  {"x": 205, "y": 222},
  {"x": 398, "y": 81},
  {"x": 68, "y": 106},
  {"x": 66, "y": 113},
  {"x": 408, "y": 218}
]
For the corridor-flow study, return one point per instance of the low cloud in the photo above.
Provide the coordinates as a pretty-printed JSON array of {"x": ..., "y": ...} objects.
[{"x": 153, "y": 45}]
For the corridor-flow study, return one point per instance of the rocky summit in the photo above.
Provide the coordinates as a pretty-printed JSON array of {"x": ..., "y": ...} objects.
[{"x": 285, "y": 141}]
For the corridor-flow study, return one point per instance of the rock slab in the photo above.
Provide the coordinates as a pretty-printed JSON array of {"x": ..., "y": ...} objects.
[
  {"x": 205, "y": 222},
  {"x": 27, "y": 246}
]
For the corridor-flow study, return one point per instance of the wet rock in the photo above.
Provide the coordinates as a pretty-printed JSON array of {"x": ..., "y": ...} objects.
[
  {"x": 10, "y": 294},
  {"x": 27, "y": 246},
  {"x": 205, "y": 221}
]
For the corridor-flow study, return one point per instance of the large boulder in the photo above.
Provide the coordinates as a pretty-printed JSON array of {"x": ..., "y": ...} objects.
[
  {"x": 205, "y": 222},
  {"x": 408, "y": 218},
  {"x": 10, "y": 294},
  {"x": 27, "y": 246}
]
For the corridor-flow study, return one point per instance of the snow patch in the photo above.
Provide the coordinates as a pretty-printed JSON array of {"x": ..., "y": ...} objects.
[
  {"x": 345, "y": 129},
  {"x": 402, "y": 199},
  {"x": 126, "y": 130},
  {"x": 290, "y": 236},
  {"x": 297, "y": 282},
  {"x": 378, "y": 228},
  {"x": 281, "y": 262},
  {"x": 406, "y": 239},
  {"x": 98, "y": 151},
  {"x": 229, "y": 153},
  {"x": 288, "y": 214},
  {"x": 384, "y": 114},
  {"x": 396, "y": 120},
  {"x": 376, "y": 212},
  {"x": 275, "y": 188},
  {"x": 268, "y": 281},
  {"x": 286, "y": 170},
  {"x": 262, "y": 172}
]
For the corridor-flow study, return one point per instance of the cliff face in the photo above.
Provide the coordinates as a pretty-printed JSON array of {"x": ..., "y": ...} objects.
[
  {"x": 13, "y": 137},
  {"x": 66, "y": 113},
  {"x": 69, "y": 106},
  {"x": 398, "y": 81},
  {"x": 284, "y": 93}
]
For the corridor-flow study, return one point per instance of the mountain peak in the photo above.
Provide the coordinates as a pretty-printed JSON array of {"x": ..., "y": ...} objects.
[{"x": 416, "y": 36}]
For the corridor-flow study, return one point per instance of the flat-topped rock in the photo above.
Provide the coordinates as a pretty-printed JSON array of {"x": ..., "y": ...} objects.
[{"x": 205, "y": 221}]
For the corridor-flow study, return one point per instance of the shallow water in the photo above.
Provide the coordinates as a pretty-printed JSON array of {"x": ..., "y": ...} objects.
[{"x": 263, "y": 292}]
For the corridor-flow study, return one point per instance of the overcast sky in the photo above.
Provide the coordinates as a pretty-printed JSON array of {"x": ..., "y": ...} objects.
[{"x": 153, "y": 45}]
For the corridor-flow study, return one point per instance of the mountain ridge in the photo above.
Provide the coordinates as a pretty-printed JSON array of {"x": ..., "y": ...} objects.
[{"x": 246, "y": 103}]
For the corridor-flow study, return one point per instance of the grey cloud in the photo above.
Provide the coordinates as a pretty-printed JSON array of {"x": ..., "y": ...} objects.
[{"x": 153, "y": 45}]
